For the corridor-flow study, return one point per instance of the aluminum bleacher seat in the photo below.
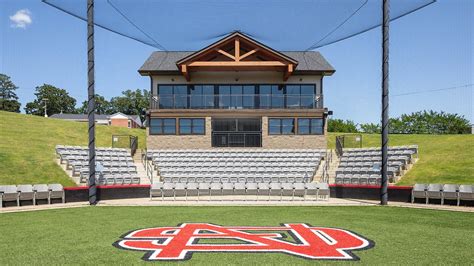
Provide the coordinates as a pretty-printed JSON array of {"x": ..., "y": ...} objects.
[
  {"x": 10, "y": 193},
  {"x": 41, "y": 192},
  {"x": 26, "y": 193},
  {"x": 450, "y": 192},
  {"x": 56, "y": 191},
  {"x": 466, "y": 193},
  {"x": 434, "y": 191}
]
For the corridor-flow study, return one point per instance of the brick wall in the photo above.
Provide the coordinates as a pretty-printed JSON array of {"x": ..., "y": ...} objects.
[{"x": 119, "y": 122}]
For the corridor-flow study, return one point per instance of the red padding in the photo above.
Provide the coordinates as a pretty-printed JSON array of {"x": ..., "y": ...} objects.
[
  {"x": 370, "y": 186},
  {"x": 106, "y": 187}
]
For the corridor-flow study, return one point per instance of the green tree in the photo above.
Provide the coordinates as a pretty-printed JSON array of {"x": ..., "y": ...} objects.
[
  {"x": 339, "y": 125},
  {"x": 8, "y": 98},
  {"x": 102, "y": 106},
  {"x": 57, "y": 101},
  {"x": 132, "y": 102},
  {"x": 370, "y": 128}
]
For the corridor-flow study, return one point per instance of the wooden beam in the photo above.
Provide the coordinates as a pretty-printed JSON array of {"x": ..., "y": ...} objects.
[
  {"x": 288, "y": 72},
  {"x": 184, "y": 71},
  {"x": 237, "y": 64},
  {"x": 248, "y": 53},
  {"x": 226, "y": 54},
  {"x": 237, "y": 49}
]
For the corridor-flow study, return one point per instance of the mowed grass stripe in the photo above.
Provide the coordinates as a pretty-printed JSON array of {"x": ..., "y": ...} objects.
[{"x": 85, "y": 235}]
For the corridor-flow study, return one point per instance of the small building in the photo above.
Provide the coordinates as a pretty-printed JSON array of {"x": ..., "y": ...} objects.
[
  {"x": 117, "y": 119},
  {"x": 236, "y": 92}
]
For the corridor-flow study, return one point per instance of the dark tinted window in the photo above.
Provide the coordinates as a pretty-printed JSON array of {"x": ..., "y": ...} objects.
[
  {"x": 162, "y": 126},
  {"x": 195, "y": 126}
]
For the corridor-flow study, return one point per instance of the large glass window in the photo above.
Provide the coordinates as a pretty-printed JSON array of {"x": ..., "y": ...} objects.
[
  {"x": 293, "y": 96},
  {"x": 162, "y": 126},
  {"x": 173, "y": 96},
  {"x": 236, "y": 96},
  {"x": 224, "y": 96},
  {"x": 201, "y": 96},
  {"x": 192, "y": 126},
  {"x": 307, "y": 96},
  {"x": 310, "y": 126},
  {"x": 281, "y": 126},
  {"x": 248, "y": 99}
]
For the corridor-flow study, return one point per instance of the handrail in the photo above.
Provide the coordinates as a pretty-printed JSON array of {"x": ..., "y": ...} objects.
[{"x": 236, "y": 101}]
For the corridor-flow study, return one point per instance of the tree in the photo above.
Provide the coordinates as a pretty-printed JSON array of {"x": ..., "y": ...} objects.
[
  {"x": 339, "y": 125},
  {"x": 370, "y": 128},
  {"x": 57, "y": 100},
  {"x": 8, "y": 98},
  {"x": 102, "y": 106},
  {"x": 423, "y": 122},
  {"x": 131, "y": 102}
]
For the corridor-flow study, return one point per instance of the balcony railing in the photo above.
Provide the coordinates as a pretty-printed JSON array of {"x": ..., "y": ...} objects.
[{"x": 236, "y": 101}]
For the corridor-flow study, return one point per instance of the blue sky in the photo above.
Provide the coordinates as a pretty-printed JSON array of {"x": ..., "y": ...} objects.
[{"x": 430, "y": 49}]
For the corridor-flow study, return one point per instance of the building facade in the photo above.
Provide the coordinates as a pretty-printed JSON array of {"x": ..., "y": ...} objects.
[
  {"x": 117, "y": 119},
  {"x": 236, "y": 92}
]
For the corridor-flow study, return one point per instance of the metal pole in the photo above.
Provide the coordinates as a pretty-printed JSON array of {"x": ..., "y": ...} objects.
[
  {"x": 91, "y": 101},
  {"x": 385, "y": 104}
]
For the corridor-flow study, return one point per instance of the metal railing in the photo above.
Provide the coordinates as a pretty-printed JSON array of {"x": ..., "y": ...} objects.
[
  {"x": 236, "y": 139},
  {"x": 236, "y": 101}
]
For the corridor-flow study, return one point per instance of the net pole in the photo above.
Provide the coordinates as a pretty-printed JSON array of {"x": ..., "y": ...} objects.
[
  {"x": 91, "y": 101},
  {"x": 385, "y": 104}
]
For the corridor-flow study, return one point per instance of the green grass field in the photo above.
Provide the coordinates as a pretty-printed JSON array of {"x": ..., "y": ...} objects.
[
  {"x": 27, "y": 146},
  {"x": 27, "y": 150},
  {"x": 402, "y": 236}
]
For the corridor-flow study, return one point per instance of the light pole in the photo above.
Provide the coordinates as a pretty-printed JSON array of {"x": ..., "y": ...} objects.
[{"x": 91, "y": 101}]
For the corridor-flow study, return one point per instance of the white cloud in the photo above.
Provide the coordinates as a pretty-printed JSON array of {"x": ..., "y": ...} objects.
[{"x": 21, "y": 19}]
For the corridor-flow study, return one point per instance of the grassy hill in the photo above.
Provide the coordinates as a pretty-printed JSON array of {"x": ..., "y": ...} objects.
[
  {"x": 27, "y": 154},
  {"x": 27, "y": 146},
  {"x": 442, "y": 158}
]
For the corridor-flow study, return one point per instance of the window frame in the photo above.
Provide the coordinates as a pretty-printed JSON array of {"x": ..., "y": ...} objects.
[
  {"x": 162, "y": 132},
  {"x": 192, "y": 119},
  {"x": 280, "y": 133},
  {"x": 310, "y": 125}
]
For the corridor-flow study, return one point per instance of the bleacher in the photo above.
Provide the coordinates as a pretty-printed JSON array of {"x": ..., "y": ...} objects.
[
  {"x": 116, "y": 164},
  {"x": 361, "y": 166},
  {"x": 236, "y": 172},
  {"x": 33, "y": 193},
  {"x": 442, "y": 192}
]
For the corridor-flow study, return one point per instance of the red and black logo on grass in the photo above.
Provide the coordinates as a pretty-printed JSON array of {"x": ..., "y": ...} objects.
[{"x": 302, "y": 240}]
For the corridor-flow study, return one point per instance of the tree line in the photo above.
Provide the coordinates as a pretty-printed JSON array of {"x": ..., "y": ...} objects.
[
  {"x": 135, "y": 102},
  {"x": 57, "y": 100},
  {"x": 422, "y": 122}
]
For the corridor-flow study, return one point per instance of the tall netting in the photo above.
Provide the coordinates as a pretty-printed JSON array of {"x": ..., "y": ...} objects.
[{"x": 285, "y": 25}]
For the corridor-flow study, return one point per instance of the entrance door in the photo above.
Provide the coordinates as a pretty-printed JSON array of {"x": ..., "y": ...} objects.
[{"x": 236, "y": 132}]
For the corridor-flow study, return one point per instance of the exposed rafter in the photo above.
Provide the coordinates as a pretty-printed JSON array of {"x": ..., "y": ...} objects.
[{"x": 245, "y": 54}]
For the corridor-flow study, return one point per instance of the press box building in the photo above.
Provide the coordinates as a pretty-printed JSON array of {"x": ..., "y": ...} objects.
[{"x": 236, "y": 92}]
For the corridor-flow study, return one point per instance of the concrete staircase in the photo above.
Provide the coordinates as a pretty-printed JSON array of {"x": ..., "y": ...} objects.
[{"x": 137, "y": 159}]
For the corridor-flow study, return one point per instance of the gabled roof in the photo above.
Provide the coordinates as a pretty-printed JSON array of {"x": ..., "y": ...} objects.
[
  {"x": 236, "y": 52},
  {"x": 231, "y": 37},
  {"x": 161, "y": 62}
]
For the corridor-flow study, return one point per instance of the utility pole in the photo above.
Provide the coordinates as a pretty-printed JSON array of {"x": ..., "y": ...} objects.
[
  {"x": 385, "y": 103},
  {"x": 91, "y": 101},
  {"x": 45, "y": 107}
]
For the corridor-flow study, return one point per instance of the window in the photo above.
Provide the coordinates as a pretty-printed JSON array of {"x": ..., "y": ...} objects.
[
  {"x": 201, "y": 96},
  {"x": 173, "y": 96},
  {"x": 281, "y": 126},
  {"x": 310, "y": 126},
  {"x": 162, "y": 126},
  {"x": 192, "y": 126}
]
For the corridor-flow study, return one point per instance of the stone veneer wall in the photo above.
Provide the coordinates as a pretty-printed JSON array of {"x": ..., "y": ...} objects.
[
  {"x": 268, "y": 141},
  {"x": 292, "y": 141}
]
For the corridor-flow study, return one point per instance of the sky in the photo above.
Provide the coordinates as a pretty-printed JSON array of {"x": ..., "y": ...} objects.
[{"x": 431, "y": 60}]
